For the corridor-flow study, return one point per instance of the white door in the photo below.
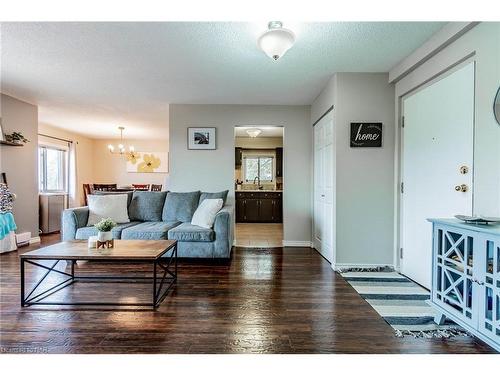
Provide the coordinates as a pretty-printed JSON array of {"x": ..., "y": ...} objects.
[
  {"x": 323, "y": 187},
  {"x": 437, "y": 141}
]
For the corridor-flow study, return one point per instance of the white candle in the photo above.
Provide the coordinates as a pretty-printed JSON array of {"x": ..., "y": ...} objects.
[{"x": 92, "y": 242}]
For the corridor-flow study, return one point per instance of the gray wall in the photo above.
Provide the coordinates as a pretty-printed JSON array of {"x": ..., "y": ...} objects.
[
  {"x": 364, "y": 176},
  {"x": 214, "y": 170},
  {"x": 20, "y": 163}
]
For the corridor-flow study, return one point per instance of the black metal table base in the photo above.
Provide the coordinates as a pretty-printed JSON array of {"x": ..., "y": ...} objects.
[{"x": 162, "y": 275}]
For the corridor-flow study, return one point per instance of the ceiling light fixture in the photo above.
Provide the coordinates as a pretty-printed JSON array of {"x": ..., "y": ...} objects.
[
  {"x": 121, "y": 148},
  {"x": 276, "y": 41},
  {"x": 254, "y": 132}
]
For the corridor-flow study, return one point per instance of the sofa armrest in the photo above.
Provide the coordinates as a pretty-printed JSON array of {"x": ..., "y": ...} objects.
[
  {"x": 72, "y": 219},
  {"x": 223, "y": 227}
]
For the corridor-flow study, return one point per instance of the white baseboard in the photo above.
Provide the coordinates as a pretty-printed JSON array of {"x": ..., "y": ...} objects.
[
  {"x": 34, "y": 240},
  {"x": 297, "y": 243},
  {"x": 343, "y": 266}
]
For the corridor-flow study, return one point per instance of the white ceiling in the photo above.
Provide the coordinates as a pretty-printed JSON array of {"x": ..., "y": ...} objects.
[
  {"x": 267, "y": 131},
  {"x": 93, "y": 77}
]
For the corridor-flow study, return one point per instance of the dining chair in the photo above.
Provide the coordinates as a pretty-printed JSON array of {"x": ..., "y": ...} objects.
[
  {"x": 104, "y": 187},
  {"x": 156, "y": 187},
  {"x": 86, "y": 191},
  {"x": 141, "y": 187}
]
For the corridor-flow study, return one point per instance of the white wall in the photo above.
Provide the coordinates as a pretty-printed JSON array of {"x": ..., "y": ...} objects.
[
  {"x": 214, "y": 170},
  {"x": 482, "y": 43},
  {"x": 364, "y": 176},
  {"x": 110, "y": 168},
  {"x": 20, "y": 163}
]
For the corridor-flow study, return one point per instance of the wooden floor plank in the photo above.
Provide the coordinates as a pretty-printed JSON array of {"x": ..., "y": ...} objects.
[{"x": 263, "y": 301}]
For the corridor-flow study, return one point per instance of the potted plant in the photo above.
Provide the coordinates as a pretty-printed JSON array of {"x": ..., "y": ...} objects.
[
  {"x": 16, "y": 137},
  {"x": 104, "y": 227}
]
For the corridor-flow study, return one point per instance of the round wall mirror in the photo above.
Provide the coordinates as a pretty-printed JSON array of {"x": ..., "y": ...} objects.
[{"x": 496, "y": 106}]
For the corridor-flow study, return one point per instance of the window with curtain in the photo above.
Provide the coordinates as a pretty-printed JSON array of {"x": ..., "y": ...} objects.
[
  {"x": 258, "y": 166},
  {"x": 52, "y": 169}
]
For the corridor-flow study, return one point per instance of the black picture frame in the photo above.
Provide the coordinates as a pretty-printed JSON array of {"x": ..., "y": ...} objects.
[{"x": 366, "y": 134}]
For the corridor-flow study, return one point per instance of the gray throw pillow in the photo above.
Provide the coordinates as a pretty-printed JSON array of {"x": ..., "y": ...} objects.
[
  {"x": 147, "y": 205},
  {"x": 219, "y": 195},
  {"x": 180, "y": 206}
]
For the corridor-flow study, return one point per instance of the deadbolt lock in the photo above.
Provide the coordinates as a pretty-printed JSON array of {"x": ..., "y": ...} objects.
[
  {"x": 463, "y": 188},
  {"x": 464, "y": 169}
]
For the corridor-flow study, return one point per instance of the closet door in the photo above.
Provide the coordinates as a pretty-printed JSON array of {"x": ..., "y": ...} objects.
[{"x": 324, "y": 187}]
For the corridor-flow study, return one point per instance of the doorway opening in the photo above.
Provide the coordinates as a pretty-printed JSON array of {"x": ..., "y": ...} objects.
[{"x": 258, "y": 184}]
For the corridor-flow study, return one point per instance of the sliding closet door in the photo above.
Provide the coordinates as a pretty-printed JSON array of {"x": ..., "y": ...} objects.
[{"x": 324, "y": 187}]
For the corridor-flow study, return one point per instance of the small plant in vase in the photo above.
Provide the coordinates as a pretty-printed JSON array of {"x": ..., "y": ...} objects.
[
  {"x": 16, "y": 137},
  {"x": 104, "y": 227}
]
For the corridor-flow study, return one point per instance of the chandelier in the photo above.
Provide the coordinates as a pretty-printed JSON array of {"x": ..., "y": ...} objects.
[{"x": 121, "y": 149}]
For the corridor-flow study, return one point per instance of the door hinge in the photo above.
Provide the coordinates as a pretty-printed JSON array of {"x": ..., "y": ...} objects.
[
  {"x": 402, "y": 121},
  {"x": 401, "y": 253},
  {"x": 402, "y": 187}
]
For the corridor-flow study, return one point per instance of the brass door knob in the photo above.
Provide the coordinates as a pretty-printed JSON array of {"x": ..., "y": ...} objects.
[{"x": 463, "y": 188}]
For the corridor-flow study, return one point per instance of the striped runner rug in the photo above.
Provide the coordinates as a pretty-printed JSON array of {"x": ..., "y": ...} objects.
[{"x": 401, "y": 303}]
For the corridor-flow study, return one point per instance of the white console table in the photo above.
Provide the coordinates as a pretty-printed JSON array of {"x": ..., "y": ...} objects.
[{"x": 466, "y": 277}]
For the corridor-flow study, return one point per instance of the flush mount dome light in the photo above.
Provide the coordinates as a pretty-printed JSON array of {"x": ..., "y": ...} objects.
[
  {"x": 253, "y": 132},
  {"x": 276, "y": 41}
]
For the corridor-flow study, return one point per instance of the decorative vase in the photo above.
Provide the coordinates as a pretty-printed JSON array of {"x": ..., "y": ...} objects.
[{"x": 104, "y": 236}]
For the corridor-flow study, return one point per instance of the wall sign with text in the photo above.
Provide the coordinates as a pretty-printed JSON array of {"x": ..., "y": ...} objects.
[{"x": 366, "y": 134}]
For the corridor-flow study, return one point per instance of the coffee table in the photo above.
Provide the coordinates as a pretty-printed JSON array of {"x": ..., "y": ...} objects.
[{"x": 161, "y": 254}]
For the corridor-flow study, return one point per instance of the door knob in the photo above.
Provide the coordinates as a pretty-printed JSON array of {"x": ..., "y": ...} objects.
[{"x": 463, "y": 188}]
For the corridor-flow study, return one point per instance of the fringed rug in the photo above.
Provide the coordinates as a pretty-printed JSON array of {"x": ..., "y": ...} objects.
[{"x": 401, "y": 303}]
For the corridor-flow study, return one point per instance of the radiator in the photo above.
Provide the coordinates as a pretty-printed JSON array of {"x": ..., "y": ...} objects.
[{"x": 51, "y": 208}]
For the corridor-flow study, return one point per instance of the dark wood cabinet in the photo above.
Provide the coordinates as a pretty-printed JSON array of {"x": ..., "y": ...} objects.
[
  {"x": 238, "y": 155},
  {"x": 252, "y": 213},
  {"x": 259, "y": 207},
  {"x": 279, "y": 161}
]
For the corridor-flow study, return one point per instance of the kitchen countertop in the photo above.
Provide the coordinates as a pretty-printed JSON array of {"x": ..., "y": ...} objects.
[{"x": 259, "y": 191}]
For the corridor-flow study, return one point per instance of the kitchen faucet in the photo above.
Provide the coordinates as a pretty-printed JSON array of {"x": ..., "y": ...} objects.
[{"x": 259, "y": 186}]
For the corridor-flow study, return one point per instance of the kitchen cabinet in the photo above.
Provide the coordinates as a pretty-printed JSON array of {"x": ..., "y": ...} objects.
[
  {"x": 238, "y": 156},
  {"x": 259, "y": 207},
  {"x": 279, "y": 161}
]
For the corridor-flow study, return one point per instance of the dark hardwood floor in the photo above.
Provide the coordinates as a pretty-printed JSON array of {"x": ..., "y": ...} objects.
[{"x": 263, "y": 301}]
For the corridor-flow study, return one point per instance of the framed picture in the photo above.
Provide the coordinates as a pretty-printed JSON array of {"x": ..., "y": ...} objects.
[
  {"x": 366, "y": 134},
  {"x": 201, "y": 139},
  {"x": 147, "y": 162}
]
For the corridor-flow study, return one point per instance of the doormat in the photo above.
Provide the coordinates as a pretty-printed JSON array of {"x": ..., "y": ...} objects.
[{"x": 401, "y": 303}]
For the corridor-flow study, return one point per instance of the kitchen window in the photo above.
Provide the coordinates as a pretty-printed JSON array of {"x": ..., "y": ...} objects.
[
  {"x": 52, "y": 169},
  {"x": 260, "y": 167}
]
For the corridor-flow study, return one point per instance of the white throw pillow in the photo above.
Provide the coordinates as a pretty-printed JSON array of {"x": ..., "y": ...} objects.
[
  {"x": 204, "y": 216},
  {"x": 113, "y": 206}
]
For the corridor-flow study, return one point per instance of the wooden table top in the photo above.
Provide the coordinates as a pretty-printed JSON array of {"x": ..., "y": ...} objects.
[{"x": 122, "y": 250}]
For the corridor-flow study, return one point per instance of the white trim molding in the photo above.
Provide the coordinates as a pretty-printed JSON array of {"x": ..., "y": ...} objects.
[
  {"x": 35, "y": 240},
  {"x": 297, "y": 243}
]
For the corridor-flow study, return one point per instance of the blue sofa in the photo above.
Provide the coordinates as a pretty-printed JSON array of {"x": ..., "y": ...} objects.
[{"x": 163, "y": 215}]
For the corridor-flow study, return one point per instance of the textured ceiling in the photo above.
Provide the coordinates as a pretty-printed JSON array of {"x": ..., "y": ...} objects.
[{"x": 92, "y": 77}]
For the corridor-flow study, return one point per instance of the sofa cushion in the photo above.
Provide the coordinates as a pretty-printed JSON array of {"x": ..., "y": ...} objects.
[
  {"x": 85, "y": 232},
  {"x": 147, "y": 205},
  {"x": 129, "y": 194},
  {"x": 187, "y": 232},
  {"x": 149, "y": 230},
  {"x": 180, "y": 206},
  {"x": 107, "y": 206},
  {"x": 219, "y": 195}
]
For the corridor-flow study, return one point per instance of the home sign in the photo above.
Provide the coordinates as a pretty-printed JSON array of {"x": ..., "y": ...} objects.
[{"x": 366, "y": 134}]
